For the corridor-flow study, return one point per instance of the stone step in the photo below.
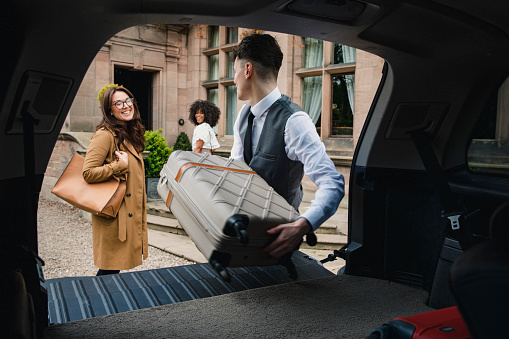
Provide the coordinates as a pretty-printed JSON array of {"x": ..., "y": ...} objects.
[
  {"x": 335, "y": 225},
  {"x": 164, "y": 224},
  {"x": 156, "y": 217},
  {"x": 326, "y": 241},
  {"x": 327, "y": 229},
  {"x": 159, "y": 208}
]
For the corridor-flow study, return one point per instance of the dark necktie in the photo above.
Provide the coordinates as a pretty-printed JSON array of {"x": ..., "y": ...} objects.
[{"x": 248, "y": 139}]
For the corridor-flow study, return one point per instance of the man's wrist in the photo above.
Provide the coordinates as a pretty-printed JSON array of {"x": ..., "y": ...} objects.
[{"x": 305, "y": 224}]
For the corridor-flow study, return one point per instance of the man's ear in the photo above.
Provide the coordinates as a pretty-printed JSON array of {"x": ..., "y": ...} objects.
[{"x": 248, "y": 69}]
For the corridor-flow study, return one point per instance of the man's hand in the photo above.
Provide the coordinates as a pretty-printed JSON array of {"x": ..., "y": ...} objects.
[{"x": 290, "y": 236}]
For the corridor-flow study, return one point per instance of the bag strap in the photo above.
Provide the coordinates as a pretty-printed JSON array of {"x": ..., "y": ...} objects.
[
  {"x": 116, "y": 147},
  {"x": 210, "y": 140},
  {"x": 114, "y": 141}
]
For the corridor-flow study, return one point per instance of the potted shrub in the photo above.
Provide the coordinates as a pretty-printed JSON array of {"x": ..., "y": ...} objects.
[
  {"x": 182, "y": 143},
  {"x": 154, "y": 162}
]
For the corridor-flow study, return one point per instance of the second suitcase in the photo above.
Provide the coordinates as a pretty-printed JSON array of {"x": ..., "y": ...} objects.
[
  {"x": 225, "y": 208},
  {"x": 445, "y": 323}
]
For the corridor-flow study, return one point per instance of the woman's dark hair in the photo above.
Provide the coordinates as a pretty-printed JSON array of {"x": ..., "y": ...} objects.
[
  {"x": 133, "y": 131},
  {"x": 263, "y": 51},
  {"x": 208, "y": 108}
]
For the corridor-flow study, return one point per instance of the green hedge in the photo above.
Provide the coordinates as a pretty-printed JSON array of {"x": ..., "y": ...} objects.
[{"x": 155, "y": 143}]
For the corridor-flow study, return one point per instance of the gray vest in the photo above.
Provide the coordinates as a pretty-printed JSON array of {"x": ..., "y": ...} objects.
[{"x": 270, "y": 160}]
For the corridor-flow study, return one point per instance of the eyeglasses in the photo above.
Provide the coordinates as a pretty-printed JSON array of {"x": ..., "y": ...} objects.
[{"x": 120, "y": 104}]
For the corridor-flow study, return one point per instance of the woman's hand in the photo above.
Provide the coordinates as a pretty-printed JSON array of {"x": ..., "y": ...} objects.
[{"x": 122, "y": 155}]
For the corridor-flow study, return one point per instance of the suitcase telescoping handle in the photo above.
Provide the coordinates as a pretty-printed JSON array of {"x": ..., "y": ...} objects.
[{"x": 236, "y": 227}]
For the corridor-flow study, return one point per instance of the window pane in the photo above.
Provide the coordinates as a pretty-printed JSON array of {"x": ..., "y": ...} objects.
[
  {"x": 313, "y": 53},
  {"x": 312, "y": 99},
  {"x": 232, "y": 35},
  {"x": 229, "y": 65},
  {"x": 231, "y": 108},
  {"x": 489, "y": 151},
  {"x": 342, "y": 105},
  {"x": 213, "y": 71},
  {"x": 212, "y": 95},
  {"x": 343, "y": 54},
  {"x": 213, "y": 36}
]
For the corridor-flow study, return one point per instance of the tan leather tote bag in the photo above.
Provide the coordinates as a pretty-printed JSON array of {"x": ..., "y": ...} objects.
[{"x": 102, "y": 198}]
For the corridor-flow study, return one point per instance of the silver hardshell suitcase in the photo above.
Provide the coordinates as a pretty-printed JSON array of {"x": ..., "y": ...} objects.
[{"x": 225, "y": 208}]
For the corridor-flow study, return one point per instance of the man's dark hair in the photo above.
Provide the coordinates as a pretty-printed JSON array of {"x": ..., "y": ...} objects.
[{"x": 263, "y": 51}]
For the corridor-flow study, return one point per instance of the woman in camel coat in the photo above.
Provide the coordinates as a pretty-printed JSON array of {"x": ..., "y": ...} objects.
[{"x": 119, "y": 243}]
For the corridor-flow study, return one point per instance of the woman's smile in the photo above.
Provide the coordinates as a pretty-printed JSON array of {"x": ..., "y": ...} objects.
[{"x": 200, "y": 117}]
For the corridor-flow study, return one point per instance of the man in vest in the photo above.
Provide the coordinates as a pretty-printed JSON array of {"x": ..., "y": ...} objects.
[{"x": 279, "y": 141}]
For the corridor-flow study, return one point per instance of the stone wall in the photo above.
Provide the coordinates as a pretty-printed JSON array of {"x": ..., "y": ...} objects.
[{"x": 158, "y": 49}]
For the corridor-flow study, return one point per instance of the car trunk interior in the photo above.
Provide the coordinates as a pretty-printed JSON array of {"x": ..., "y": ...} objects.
[{"x": 444, "y": 60}]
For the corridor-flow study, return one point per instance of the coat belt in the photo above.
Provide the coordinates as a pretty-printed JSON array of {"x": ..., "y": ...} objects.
[{"x": 122, "y": 226}]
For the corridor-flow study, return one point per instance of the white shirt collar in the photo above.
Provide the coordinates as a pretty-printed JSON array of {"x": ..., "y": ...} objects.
[{"x": 265, "y": 103}]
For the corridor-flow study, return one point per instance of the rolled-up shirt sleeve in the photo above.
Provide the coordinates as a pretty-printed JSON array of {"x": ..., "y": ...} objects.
[
  {"x": 303, "y": 144},
  {"x": 95, "y": 169}
]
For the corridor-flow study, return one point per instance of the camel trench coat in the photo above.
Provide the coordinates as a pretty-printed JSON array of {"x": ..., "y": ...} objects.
[{"x": 119, "y": 243}]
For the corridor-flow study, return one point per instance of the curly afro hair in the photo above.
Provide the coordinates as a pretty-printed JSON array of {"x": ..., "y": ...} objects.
[{"x": 208, "y": 108}]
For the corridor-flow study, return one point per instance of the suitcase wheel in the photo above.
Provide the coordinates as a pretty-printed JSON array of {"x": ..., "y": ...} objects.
[
  {"x": 286, "y": 261},
  {"x": 225, "y": 275},
  {"x": 243, "y": 237},
  {"x": 236, "y": 227},
  {"x": 311, "y": 239},
  {"x": 221, "y": 270}
]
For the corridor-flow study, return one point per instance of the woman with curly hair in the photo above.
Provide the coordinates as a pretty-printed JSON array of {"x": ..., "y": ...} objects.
[
  {"x": 204, "y": 115},
  {"x": 119, "y": 243}
]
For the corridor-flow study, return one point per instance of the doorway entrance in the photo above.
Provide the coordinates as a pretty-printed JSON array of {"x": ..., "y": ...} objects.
[{"x": 140, "y": 84}]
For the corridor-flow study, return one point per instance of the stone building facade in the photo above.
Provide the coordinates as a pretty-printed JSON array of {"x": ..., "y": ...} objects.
[{"x": 167, "y": 67}]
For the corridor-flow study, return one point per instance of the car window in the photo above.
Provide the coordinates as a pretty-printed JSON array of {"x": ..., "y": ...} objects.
[{"x": 489, "y": 150}]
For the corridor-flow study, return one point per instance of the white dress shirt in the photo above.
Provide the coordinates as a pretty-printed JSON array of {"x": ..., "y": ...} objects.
[{"x": 303, "y": 144}]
